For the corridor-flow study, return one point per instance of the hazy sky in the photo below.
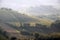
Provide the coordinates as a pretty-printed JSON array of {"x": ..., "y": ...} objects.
[
  {"x": 16, "y": 4},
  {"x": 24, "y": 4}
]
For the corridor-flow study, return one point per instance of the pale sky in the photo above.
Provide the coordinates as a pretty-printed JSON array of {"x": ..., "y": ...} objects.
[
  {"x": 16, "y": 4},
  {"x": 24, "y": 4}
]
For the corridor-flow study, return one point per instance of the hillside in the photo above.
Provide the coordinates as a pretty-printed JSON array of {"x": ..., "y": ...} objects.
[
  {"x": 8, "y": 15},
  {"x": 14, "y": 18}
]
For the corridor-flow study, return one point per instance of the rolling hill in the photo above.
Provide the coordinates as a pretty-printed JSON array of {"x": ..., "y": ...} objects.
[{"x": 7, "y": 15}]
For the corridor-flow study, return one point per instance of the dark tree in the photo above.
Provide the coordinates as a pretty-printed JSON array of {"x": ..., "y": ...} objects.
[{"x": 36, "y": 36}]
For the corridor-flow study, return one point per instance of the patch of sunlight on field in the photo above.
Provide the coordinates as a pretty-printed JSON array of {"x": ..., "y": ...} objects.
[
  {"x": 43, "y": 21},
  {"x": 17, "y": 31},
  {"x": 46, "y": 22},
  {"x": 32, "y": 24}
]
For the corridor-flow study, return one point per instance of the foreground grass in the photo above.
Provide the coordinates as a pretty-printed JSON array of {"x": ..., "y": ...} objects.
[{"x": 2, "y": 37}]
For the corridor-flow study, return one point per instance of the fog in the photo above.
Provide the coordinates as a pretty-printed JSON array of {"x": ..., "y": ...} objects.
[{"x": 25, "y": 5}]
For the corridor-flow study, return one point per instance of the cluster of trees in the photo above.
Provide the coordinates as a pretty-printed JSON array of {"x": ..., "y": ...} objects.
[
  {"x": 52, "y": 36},
  {"x": 56, "y": 26}
]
